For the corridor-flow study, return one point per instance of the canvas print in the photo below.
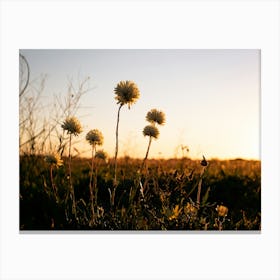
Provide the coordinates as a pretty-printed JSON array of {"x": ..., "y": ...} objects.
[{"x": 139, "y": 140}]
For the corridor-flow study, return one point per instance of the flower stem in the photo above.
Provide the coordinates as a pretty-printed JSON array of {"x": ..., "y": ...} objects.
[
  {"x": 70, "y": 181},
  {"x": 147, "y": 153},
  {"x": 199, "y": 187},
  {"x": 117, "y": 144},
  {"x": 116, "y": 155},
  {"x": 52, "y": 182},
  {"x": 91, "y": 188},
  {"x": 95, "y": 182}
]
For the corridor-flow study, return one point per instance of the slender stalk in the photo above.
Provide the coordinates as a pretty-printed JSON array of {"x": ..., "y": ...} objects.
[
  {"x": 199, "y": 187},
  {"x": 52, "y": 182},
  {"x": 116, "y": 155},
  {"x": 95, "y": 182},
  {"x": 142, "y": 167},
  {"x": 147, "y": 153},
  {"x": 117, "y": 145},
  {"x": 70, "y": 181},
  {"x": 91, "y": 186}
]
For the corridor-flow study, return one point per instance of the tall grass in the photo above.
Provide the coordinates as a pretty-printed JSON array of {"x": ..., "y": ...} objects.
[{"x": 169, "y": 196}]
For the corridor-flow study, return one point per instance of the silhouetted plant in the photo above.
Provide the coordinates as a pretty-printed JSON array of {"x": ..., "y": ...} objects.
[
  {"x": 127, "y": 93},
  {"x": 73, "y": 127},
  {"x": 54, "y": 161},
  {"x": 95, "y": 138}
]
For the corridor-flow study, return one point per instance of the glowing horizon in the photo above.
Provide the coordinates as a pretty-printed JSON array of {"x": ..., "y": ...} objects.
[{"x": 211, "y": 98}]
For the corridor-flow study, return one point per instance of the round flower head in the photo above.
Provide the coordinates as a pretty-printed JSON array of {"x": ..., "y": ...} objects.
[
  {"x": 155, "y": 116},
  {"x": 54, "y": 160},
  {"x": 127, "y": 92},
  {"x": 222, "y": 210},
  {"x": 151, "y": 131},
  {"x": 101, "y": 155},
  {"x": 94, "y": 137},
  {"x": 72, "y": 126}
]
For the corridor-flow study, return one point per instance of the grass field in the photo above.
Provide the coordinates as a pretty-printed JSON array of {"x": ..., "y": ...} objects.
[
  {"x": 175, "y": 194},
  {"x": 59, "y": 190}
]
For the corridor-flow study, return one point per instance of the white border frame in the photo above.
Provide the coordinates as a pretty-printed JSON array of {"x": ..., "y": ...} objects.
[{"x": 155, "y": 24}]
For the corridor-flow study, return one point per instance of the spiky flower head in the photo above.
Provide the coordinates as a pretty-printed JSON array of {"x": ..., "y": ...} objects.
[
  {"x": 72, "y": 126},
  {"x": 54, "y": 160},
  {"x": 222, "y": 210},
  {"x": 101, "y": 155},
  {"x": 126, "y": 92},
  {"x": 151, "y": 130},
  {"x": 94, "y": 137},
  {"x": 155, "y": 116}
]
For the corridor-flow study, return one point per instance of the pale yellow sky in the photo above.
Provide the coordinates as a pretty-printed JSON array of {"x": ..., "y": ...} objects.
[{"x": 211, "y": 98}]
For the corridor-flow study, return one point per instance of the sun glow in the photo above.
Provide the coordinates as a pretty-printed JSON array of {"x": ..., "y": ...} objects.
[{"x": 211, "y": 98}]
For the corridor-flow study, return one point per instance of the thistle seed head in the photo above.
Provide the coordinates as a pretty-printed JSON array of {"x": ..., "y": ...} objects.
[
  {"x": 126, "y": 92},
  {"x": 151, "y": 131},
  {"x": 94, "y": 137},
  {"x": 72, "y": 126},
  {"x": 155, "y": 116}
]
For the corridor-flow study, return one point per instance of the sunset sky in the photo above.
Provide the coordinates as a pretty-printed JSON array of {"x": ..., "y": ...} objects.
[{"x": 211, "y": 98}]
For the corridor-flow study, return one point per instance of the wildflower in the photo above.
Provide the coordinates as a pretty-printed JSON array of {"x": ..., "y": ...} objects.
[
  {"x": 151, "y": 131},
  {"x": 222, "y": 210},
  {"x": 204, "y": 162},
  {"x": 175, "y": 213},
  {"x": 155, "y": 116},
  {"x": 101, "y": 155},
  {"x": 72, "y": 126},
  {"x": 54, "y": 160},
  {"x": 190, "y": 209},
  {"x": 126, "y": 92},
  {"x": 94, "y": 137}
]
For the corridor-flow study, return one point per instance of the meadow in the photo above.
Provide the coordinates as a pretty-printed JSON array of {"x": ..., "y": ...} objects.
[
  {"x": 60, "y": 190},
  {"x": 162, "y": 197}
]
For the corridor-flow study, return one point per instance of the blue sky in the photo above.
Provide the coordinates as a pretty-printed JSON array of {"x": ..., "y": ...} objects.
[{"x": 211, "y": 98}]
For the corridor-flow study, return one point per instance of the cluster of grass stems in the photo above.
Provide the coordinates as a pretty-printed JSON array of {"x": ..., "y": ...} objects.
[{"x": 229, "y": 196}]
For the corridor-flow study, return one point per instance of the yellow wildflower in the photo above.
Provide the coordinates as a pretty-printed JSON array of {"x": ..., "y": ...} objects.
[
  {"x": 175, "y": 213},
  {"x": 222, "y": 210}
]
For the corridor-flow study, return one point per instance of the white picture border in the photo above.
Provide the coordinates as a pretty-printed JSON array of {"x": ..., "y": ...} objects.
[{"x": 146, "y": 24}]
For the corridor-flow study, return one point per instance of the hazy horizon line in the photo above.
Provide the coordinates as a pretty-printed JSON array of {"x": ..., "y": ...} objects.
[{"x": 159, "y": 158}]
